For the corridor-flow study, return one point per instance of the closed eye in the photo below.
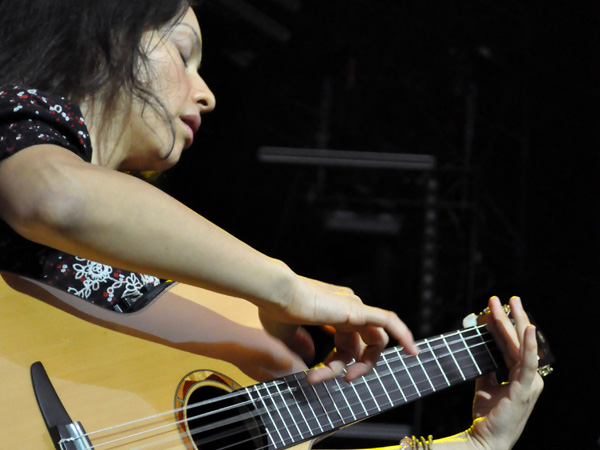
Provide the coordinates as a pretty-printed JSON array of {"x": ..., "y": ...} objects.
[{"x": 184, "y": 59}]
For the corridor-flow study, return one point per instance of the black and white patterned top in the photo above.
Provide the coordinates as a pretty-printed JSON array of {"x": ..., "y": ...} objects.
[{"x": 28, "y": 118}]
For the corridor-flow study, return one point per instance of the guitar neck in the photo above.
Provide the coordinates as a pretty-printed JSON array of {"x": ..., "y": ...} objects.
[{"x": 293, "y": 411}]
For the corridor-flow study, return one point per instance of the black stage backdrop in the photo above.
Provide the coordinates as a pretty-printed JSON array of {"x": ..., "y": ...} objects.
[{"x": 503, "y": 94}]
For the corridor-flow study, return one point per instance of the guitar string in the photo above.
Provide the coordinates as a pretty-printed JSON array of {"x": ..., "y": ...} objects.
[
  {"x": 223, "y": 423},
  {"x": 264, "y": 397},
  {"x": 297, "y": 437},
  {"x": 364, "y": 380},
  {"x": 396, "y": 350}
]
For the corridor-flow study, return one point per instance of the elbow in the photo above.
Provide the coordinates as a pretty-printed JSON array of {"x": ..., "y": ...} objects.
[{"x": 46, "y": 210}]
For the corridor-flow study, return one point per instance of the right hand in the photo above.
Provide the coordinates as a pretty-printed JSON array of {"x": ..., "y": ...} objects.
[{"x": 361, "y": 330}]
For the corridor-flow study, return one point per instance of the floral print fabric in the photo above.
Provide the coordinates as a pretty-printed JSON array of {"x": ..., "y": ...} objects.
[{"x": 27, "y": 118}]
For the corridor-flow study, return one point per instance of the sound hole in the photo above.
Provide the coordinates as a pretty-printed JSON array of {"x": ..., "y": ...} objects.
[{"x": 225, "y": 422}]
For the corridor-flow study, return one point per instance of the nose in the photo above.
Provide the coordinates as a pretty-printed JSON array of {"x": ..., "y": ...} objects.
[{"x": 203, "y": 96}]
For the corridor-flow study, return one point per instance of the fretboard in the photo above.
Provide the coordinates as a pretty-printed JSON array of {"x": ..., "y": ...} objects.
[{"x": 293, "y": 411}]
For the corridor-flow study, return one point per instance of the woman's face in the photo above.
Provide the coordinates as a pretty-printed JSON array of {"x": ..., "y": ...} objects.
[{"x": 174, "y": 57}]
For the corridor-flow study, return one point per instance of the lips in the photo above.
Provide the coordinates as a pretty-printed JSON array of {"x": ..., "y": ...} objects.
[{"x": 192, "y": 121}]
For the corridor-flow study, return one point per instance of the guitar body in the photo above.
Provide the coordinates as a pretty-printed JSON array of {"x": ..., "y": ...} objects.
[{"x": 109, "y": 368}]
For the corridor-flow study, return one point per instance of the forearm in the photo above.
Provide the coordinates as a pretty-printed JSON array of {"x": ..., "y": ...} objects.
[{"x": 124, "y": 222}]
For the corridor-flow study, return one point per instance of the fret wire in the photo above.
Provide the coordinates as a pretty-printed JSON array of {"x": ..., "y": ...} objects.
[
  {"x": 334, "y": 403},
  {"x": 393, "y": 377},
  {"x": 409, "y": 375},
  {"x": 277, "y": 409},
  {"x": 418, "y": 357},
  {"x": 435, "y": 358},
  {"x": 383, "y": 387},
  {"x": 440, "y": 338},
  {"x": 450, "y": 354},
  {"x": 256, "y": 388},
  {"x": 365, "y": 382},
  {"x": 457, "y": 366},
  {"x": 353, "y": 386},
  {"x": 317, "y": 421},
  {"x": 443, "y": 338},
  {"x": 372, "y": 411},
  {"x": 469, "y": 351},
  {"x": 453, "y": 357},
  {"x": 295, "y": 403},
  {"x": 269, "y": 434},
  {"x": 309, "y": 403},
  {"x": 379, "y": 377},
  {"x": 417, "y": 391},
  {"x": 290, "y": 413},
  {"x": 486, "y": 346},
  {"x": 341, "y": 390},
  {"x": 322, "y": 405},
  {"x": 390, "y": 373}
]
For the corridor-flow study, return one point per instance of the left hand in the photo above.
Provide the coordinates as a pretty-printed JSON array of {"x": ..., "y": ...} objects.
[{"x": 500, "y": 411}]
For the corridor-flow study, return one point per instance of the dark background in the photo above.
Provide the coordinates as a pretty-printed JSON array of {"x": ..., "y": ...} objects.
[{"x": 503, "y": 94}]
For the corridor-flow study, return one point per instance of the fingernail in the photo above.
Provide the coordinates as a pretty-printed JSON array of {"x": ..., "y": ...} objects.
[{"x": 516, "y": 299}]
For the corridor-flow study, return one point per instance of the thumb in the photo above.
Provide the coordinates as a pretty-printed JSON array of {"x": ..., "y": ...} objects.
[{"x": 293, "y": 336}]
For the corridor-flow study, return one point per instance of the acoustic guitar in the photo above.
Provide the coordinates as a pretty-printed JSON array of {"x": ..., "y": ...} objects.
[{"x": 182, "y": 374}]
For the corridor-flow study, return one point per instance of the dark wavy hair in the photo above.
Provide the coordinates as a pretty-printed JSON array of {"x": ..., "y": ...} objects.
[{"x": 82, "y": 48}]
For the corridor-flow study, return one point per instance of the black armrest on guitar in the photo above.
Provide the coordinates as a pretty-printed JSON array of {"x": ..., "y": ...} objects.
[{"x": 65, "y": 434}]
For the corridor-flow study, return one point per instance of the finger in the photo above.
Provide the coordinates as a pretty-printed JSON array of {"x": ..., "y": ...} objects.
[
  {"x": 519, "y": 316},
  {"x": 348, "y": 347},
  {"x": 294, "y": 336},
  {"x": 375, "y": 340},
  {"x": 390, "y": 322},
  {"x": 492, "y": 325},
  {"x": 503, "y": 332},
  {"x": 303, "y": 345},
  {"x": 324, "y": 372},
  {"x": 363, "y": 348},
  {"x": 529, "y": 360}
]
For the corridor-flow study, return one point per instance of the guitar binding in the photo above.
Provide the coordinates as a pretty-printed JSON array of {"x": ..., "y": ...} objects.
[{"x": 201, "y": 425}]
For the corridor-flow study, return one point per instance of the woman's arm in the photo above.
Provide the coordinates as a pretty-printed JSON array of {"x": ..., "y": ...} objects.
[{"x": 50, "y": 196}]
